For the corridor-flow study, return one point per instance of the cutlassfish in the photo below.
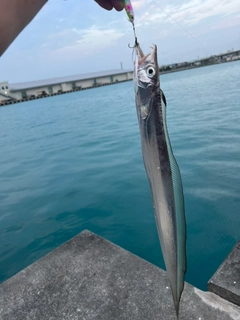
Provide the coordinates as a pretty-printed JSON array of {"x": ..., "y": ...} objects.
[{"x": 161, "y": 168}]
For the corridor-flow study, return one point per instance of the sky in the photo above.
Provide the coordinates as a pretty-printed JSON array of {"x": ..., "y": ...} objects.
[{"x": 69, "y": 37}]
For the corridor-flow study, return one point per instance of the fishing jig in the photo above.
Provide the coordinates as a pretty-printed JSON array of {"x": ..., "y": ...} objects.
[
  {"x": 130, "y": 13},
  {"x": 129, "y": 10}
]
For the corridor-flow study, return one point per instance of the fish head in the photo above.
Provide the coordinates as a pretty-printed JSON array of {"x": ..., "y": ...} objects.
[{"x": 146, "y": 80}]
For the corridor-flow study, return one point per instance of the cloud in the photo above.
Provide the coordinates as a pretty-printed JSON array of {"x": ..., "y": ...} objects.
[
  {"x": 138, "y": 4},
  {"x": 98, "y": 38},
  {"x": 226, "y": 23},
  {"x": 76, "y": 43},
  {"x": 153, "y": 18},
  {"x": 196, "y": 10},
  {"x": 191, "y": 12}
]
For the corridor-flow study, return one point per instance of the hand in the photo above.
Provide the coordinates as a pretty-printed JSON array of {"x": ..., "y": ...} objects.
[{"x": 110, "y": 4}]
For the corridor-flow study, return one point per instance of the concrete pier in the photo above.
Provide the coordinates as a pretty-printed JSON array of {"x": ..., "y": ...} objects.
[
  {"x": 90, "y": 278},
  {"x": 33, "y": 97},
  {"x": 226, "y": 280}
]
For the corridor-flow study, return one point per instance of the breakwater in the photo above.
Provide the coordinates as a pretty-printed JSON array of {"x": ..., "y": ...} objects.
[{"x": 13, "y": 101}]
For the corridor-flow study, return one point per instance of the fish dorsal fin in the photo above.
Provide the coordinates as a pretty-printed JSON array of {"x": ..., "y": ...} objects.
[{"x": 164, "y": 98}]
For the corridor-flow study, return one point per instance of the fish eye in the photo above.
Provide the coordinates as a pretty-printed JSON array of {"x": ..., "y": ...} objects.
[{"x": 150, "y": 72}]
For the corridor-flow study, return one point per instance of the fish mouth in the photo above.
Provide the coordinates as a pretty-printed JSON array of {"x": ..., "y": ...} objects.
[
  {"x": 142, "y": 57},
  {"x": 142, "y": 60}
]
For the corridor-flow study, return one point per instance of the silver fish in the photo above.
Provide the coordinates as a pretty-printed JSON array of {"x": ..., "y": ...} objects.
[{"x": 162, "y": 169}]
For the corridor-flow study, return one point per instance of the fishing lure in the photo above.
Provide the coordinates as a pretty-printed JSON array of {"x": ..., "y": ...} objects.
[
  {"x": 129, "y": 10},
  {"x": 130, "y": 13}
]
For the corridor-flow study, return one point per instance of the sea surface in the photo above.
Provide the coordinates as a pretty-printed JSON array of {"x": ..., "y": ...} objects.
[{"x": 73, "y": 162}]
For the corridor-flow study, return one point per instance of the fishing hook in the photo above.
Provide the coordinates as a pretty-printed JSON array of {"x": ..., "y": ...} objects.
[
  {"x": 132, "y": 47},
  {"x": 135, "y": 36}
]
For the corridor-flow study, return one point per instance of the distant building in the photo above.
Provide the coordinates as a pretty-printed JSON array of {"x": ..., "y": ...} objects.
[
  {"x": 197, "y": 64},
  {"x": 4, "y": 90},
  {"x": 41, "y": 88}
]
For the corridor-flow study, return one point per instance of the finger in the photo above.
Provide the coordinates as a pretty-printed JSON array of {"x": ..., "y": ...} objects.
[
  {"x": 105, "y": 4},
  {"x": 117, "y": 4}
]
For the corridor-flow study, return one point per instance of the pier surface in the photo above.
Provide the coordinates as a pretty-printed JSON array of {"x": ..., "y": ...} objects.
[
  {"x": 90, "y": 278},
  {"x": 226, "y": 280}
]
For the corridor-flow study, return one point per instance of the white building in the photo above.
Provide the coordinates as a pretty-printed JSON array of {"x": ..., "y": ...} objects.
[
  {"x": 41, "y": 88},
  {"x": 4, "y": 90}
]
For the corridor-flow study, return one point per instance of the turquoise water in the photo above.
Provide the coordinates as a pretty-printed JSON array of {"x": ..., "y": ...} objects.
[{"x": 73, "y": 162}]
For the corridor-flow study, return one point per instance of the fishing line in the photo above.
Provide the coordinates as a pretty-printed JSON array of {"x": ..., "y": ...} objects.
[{"x": 219, "y": 61}]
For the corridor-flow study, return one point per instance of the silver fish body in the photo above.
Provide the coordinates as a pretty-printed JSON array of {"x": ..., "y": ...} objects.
[{"x": 162, "y": 169}]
